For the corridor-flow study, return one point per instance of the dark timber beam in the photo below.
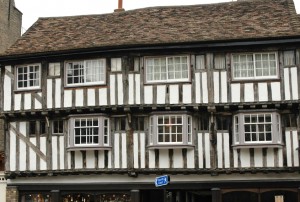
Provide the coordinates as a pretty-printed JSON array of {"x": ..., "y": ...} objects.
[
  {"x": 216, "y": 195},
  {"x": 135, "y": 195}
]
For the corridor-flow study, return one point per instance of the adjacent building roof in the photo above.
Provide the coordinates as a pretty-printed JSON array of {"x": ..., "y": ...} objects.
[{"x": 240, "y": 20}]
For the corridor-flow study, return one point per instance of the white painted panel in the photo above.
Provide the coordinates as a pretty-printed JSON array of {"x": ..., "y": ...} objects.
[
  {"x": 135, "y": 150},
  {"x": 220, "y": 149},
  {"x": 131, "y": 88},
  {"x": 49, "y": 93},
  {"x": 137, "y": 89},
  {"x": 204, "y": 87},
  {"x": 174, "y": 94},
  {"x": 258, "y": 157},
  {"x": 27, "y": 101},
  {"x": 120, "y": 89},
  {"x": 216, "y": 87},
  {"x": 148, "y": 94},
  {"x": 78, "y": 160},
  {"x": 275, "y": 88},
  {"x": 13, "y": 150},
  {"x": 226, "y": 145},
  {"x": 38, "y": 104},
  {"x": 294, "y": 80},
  {"x": 124, "y": 151},
  {"x": 262, "y": 91},
  {"x": 54, "y": 152},
  {"x": 103, "y": 96},
  {"x": 197, "y": 88},
  {"x": 200, "y": 150},
  {"x": 7, "y": 92},
  {"x": 18, "y": 98},
  {"x": 151, "y": 159},
  {"x": 177, "y": 158},
  {"x": 235, "y": 92},
  {"x": 288, "y": 142},
  {"x": 90, "y": 159},
  {"x": 248, "y": 92},
  {"x": 109, "y": 159},
  {"x": 190, "y": 155},
  {"x": 245, "y": 158},
  {"x": 79, "y": 97},
  {"x": 22, "y": 147},
  {"x": 207, "y": 150},
  {"x": 235, "y": 158},
  {"x": 187, "y": 93},
  {"x": 62, "y": 152},
  {"x": 287, "y": 93},
  {"x": 68, "y": 98},
  {"x": 280, "y": 157},
  {"x": 101, "y": 159},
  {"x": 142, "y": 149},
  {"x": 270, "y": 157},
  {"x": 57, "y": 93},
  {"x": 161, "y": 94},
  {"x": 69, "y": 160},
  {"x": 224, "y": 87},
  {"x": 32, "y": 155},
  {"x": 164, "y": 158},
  {"x": 295, "y": 148},
  {"x": 117, "y": 150},
  {"x": 112, "y": 89},
  {"x": 91, "y": 99},
  {"x": 43, "y": 146}
]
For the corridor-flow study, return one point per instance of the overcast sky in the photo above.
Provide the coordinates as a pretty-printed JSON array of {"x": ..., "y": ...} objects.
[{"x": 33, "y": 9}]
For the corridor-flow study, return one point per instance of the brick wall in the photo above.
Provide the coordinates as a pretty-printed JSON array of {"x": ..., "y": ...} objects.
[
  {"x": 12, "y": 194},
  {"x": 10, "y": 24}
]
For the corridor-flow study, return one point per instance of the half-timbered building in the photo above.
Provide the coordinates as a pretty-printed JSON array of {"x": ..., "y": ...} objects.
[{"x": 96, "y": 107}]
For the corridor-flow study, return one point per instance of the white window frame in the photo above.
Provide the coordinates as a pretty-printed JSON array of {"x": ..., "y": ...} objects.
[
  {"x": 186, "y": 129},
  {"x": 27, "y": 80},
  {"x": 57, "y": 121},
  {"x": 103, "y": 126},
  {"x": 255, "y": 68},
  {"x": 54, "y": 69},
  {"x": 116, "y": 64},
  {"x": 167, "y": 66},
  {"x": 248, "y": 127},
  {"x": 84, "y": 63}
]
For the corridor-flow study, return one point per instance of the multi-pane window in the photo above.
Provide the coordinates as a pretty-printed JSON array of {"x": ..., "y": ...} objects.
[
  {"x": 57, "y": 127},
  {"x": 167, "y": 69},
  {"x": 254, "y": 65},
  {"x": 116, "y": 64},
  {"x": 258, "y": 128},
  {"x": 54, "y": 69},
  {"x": 170, "y": 129},
  {"x": 87, "y": 72},
  {"x": 89, "y": 131},
  {"x": 28, "y": 76}
]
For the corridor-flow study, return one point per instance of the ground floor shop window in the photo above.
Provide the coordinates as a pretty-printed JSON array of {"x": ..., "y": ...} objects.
[
  {"x": 104, "y": 197},
  {"x": 35, "y": 197}
]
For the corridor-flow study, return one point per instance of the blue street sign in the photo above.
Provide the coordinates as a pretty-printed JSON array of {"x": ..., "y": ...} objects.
[{"x": 162, "y": 180}]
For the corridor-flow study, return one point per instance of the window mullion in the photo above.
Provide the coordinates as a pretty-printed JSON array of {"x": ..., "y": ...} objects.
[{"x": 167, "y": 69}]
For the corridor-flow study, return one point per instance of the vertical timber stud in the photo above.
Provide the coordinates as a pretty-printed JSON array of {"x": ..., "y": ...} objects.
[
  {"x": 135, "y": 195},
  {"x": 129, "y": 136},
  {"x": 216, "y": 195},
  {"x": 55, "y": 195}
]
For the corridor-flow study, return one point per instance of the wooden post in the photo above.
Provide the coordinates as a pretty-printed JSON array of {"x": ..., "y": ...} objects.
[
  {"x": 135, "y": 195},
  {"x": 216, "y": 195},
  {"x": 55, "y": 195}
]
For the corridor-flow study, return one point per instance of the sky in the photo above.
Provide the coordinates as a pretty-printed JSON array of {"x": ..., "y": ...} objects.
[{"x": 33, "y": 9}]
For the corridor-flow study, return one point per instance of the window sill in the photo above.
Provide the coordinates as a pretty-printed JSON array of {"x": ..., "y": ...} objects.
[
  {"x": 172, "y": 146},
  {"x": 89, "y": 148},
  {"x": 266, "y": 145}
]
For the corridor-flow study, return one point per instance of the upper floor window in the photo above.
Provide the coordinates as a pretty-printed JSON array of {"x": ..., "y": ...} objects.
[
  {"x": 57, "y": 127},
  {"x": 167, "y": 69},
  {"x": 28, "y": 76},
  {"x": 89, "y": 131},
  {"x": 54, "y": 69},
  {"x": 255, "y": 65},
  {"x": 86, "y": 72},
  {"x": 257, "y": 128},
  {"x": 171, "y": 129}
]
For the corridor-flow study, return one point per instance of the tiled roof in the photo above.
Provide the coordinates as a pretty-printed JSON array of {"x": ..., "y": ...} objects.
[{"x": 240, "y": 20}]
